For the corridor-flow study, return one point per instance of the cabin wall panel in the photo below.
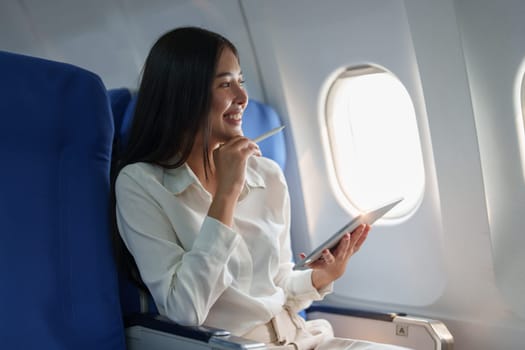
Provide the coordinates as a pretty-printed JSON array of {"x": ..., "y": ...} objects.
[{"x": 492, "y": 34}]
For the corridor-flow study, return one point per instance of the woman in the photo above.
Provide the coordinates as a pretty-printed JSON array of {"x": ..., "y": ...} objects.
[{"x": 204, "y": 216}]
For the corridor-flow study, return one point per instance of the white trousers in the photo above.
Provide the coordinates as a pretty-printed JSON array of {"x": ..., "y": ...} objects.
[{"x": 289, "y": 331}]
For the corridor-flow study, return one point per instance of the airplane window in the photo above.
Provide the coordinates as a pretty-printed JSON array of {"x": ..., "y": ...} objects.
[{"x": 374, "y": 140}]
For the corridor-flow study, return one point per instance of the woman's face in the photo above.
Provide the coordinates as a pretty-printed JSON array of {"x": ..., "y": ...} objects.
[{"x": 229, "y": 99}]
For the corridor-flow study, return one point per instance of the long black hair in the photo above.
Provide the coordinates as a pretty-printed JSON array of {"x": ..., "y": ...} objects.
[{"x": 173, "y": 104}]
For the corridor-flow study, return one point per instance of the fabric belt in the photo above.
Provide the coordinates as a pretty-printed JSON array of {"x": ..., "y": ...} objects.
[{"x": 279, "y": 332}]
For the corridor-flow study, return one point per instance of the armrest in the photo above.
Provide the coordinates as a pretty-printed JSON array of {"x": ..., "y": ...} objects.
[
  {"x": 393, "y": 328},
  {"x": 163, "y": 324},
  {"x": 375, "y": 315},
  {"x": 156, "y": 332}
]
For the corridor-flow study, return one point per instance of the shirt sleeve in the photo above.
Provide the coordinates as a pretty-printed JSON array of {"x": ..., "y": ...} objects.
[
  {"x": 184, "y": 284},
  {"x": 297, "y": 284}
]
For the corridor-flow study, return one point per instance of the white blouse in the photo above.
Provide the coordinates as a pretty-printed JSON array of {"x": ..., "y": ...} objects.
[{"x": 200, "y": 271}]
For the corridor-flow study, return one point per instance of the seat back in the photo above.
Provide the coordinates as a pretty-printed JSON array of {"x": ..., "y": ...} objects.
[{"x": 59, "y": 288}]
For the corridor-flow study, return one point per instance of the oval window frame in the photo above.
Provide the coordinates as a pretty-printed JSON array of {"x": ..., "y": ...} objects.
[{"x": 346, "y": 198}]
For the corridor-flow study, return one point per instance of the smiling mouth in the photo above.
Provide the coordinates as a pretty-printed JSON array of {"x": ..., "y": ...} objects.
[{"x": 236, "y": 116}]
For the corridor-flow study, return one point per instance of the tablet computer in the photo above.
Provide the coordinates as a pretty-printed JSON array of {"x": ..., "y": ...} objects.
[{"x": 367, "y": 218}]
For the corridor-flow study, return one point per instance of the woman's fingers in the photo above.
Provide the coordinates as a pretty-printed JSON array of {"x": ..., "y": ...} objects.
[
  {"x": 332, "y": 264},
  {"x": 328, "y": 257},
  {"x": 351, "y": 243},
  {"x": 362, "y": 237},
  {"x": 343, "y": 245},
  {"x": 242, "y": 143},
  {"x": 232, "y": 155},
  {"x": 357, "y": 234},
  {"x": 240, "y": 147},
  {"x": 348, "y": 245}
]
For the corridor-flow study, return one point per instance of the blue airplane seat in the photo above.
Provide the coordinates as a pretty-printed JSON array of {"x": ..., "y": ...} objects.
[
  {"x": 119, "y": 99},
  {"x": 59, "y": 285},
  {"x": 259, "y": 118}
]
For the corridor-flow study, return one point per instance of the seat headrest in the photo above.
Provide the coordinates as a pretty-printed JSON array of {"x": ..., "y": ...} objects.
[
  {"x": 120, "y": 99},
  {"x": 41, "y": 101}
]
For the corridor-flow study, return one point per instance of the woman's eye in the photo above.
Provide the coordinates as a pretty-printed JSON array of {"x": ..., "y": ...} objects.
[{"x": 227, "y": 84}]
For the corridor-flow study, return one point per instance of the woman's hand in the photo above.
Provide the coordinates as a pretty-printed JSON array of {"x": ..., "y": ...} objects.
[
  {"x": 331, "y": 265},
  {"x": 230, "y": 160}
]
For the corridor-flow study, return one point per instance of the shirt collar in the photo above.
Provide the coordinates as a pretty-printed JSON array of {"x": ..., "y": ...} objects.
[{"x": 177, "y": 180}]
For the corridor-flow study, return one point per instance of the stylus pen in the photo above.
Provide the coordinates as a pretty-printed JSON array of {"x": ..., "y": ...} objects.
[{"x": 268, "y": 134}]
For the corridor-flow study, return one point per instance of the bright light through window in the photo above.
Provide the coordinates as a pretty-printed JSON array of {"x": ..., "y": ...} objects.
[{"x": 374, "y": 140}]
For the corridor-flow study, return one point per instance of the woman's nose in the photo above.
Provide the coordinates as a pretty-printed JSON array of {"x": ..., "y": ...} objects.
[{"x": 241, "y": 95}]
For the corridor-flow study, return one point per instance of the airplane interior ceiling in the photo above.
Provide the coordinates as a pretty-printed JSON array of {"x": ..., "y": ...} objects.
[{"x": 458, "y": 256}]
